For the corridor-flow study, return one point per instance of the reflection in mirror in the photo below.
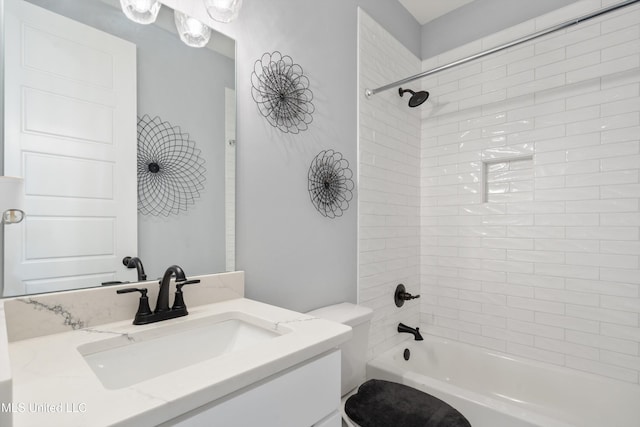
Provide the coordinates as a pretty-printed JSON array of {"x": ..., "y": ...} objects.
[{"x": 78, "y": 77}]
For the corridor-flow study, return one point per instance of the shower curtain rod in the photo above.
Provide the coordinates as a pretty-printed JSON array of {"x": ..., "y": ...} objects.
[{"x": 370, "y": 92}]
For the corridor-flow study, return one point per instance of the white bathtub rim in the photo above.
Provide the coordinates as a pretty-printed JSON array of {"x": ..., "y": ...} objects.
[
  {"x": 434, "y": 385},
  {"x": 484, "y": 401},
  {"x": 385, "y": 362},
  {"x": 520, "y": 359}
]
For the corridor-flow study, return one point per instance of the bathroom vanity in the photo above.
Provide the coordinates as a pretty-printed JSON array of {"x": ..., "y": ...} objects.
[{"x": 76, "y": 359}]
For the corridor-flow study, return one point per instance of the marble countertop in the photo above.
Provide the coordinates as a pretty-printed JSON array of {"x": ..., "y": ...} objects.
[{"x": 53, "y": 384}]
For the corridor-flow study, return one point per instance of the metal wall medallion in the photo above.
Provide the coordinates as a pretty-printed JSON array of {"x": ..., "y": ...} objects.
[
  {"x": 330, "y": 183},
  {"x": 170, "y": 169},
  {"x": 281, "y": 91}
]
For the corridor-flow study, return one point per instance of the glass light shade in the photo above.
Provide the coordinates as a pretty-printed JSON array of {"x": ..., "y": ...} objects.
[
  {"x": 192, "y": 32},
  {"x": 223, "y": 10},
  {"x": 141, "y": 11}
]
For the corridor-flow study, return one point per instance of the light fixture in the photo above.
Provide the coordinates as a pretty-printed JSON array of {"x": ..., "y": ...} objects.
[
  {"x": 192, "y": 32},
  {"x": 141, "y": 11},
  {"x": 223, "y": 10},
  {"x": 11, "y": 199}
]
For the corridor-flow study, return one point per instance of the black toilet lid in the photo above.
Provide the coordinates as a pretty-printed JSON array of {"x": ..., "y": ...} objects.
[{"x": 381, "y": 403}]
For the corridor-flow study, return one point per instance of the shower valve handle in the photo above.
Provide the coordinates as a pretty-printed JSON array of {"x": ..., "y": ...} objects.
[
  {"x": 407, "y": 296},
  {"x": 401, "y": 295}
]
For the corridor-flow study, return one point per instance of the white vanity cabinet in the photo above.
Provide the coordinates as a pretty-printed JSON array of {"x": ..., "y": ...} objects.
[
  {"x": 289, "y": 377},
  {"x": 303, "y": 396}
]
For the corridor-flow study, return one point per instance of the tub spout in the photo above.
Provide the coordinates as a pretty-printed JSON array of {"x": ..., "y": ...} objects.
[{"x": 416, "y": 332}]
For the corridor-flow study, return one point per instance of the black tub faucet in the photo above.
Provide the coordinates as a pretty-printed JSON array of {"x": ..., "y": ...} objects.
[
  {"x": 416, "y": 332},
  {"x": 135, "y": 262}
]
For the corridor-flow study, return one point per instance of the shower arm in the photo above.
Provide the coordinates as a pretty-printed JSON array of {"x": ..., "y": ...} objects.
[{"x": 558, "y": 27}]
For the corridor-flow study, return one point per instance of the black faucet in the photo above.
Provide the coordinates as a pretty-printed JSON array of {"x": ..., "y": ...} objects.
[
  {"x": 162, "y": 311},
  {"x": 134, "y": 262},
  {"x": 162, "y": 304},
  {"x": 416, "y": 332}
]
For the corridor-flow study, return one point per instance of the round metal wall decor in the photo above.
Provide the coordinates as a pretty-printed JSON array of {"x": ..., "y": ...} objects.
[
  {"x": 170, "y": 169},
  {"x": 281, "y": 91},
  {"x": 330, "y": 183}
]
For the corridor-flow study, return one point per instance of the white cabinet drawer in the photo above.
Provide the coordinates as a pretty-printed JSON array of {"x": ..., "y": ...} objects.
[{"x": 301, "y": 396}]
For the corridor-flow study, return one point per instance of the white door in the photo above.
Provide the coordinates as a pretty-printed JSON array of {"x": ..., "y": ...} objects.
[{"x": 70, "y": 131}]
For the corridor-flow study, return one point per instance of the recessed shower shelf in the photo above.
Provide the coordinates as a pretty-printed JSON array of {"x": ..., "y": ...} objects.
[{"x": 507, "y": 179}]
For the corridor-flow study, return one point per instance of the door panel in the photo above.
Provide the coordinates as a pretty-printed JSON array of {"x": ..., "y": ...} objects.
[{"x": 70, "y": 131}]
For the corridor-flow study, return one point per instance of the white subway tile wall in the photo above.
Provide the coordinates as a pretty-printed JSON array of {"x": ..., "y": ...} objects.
[
  {"x": 549, "y": 268},
  {"x": 388, "y": 186}
]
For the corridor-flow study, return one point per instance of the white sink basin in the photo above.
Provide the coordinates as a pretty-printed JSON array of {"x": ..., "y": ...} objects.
[{"x": 129, "y": 359}]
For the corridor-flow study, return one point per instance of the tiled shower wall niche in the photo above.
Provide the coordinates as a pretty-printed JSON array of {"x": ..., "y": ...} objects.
[
  {"x": 548, "y": 268},
  {"x": 508, "y": 180}
]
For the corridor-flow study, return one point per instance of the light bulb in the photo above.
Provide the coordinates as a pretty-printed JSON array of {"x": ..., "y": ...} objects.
[
  {"x": 141, "y": 11},
  {"x": 192, "y": 32},
  {"x": 223, "y": 10}
]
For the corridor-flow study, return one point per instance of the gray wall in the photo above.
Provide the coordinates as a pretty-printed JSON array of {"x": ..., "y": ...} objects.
[
  {"x": 185, "y": 86},
  {"x": 293, "y": 256},
  {"x": 479, "y": 19}
]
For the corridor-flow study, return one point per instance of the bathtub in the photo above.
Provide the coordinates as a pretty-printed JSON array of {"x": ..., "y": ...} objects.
[{"x": 493, "y": 389}]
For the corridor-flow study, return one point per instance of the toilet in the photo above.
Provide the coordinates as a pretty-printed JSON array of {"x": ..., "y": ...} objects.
[
  {"x": 377, "y": 402},
  {"x": 354, "y": 351}
]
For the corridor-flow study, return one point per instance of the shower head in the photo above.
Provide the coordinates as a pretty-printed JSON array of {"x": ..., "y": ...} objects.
[{"x": 417, "y": 98}]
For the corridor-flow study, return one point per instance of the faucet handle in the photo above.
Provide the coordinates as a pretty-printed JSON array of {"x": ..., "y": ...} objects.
[
  {"x": 401, "y": 295},
  {"x": 143, "y": 291},
  {"x": 181, "y": 283},
  {"x": 178, "y": 300},
  {"x": 143, "y": 306}
]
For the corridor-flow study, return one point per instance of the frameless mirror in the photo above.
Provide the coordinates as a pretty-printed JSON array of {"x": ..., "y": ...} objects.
[{"x": 87, "y": 93}]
